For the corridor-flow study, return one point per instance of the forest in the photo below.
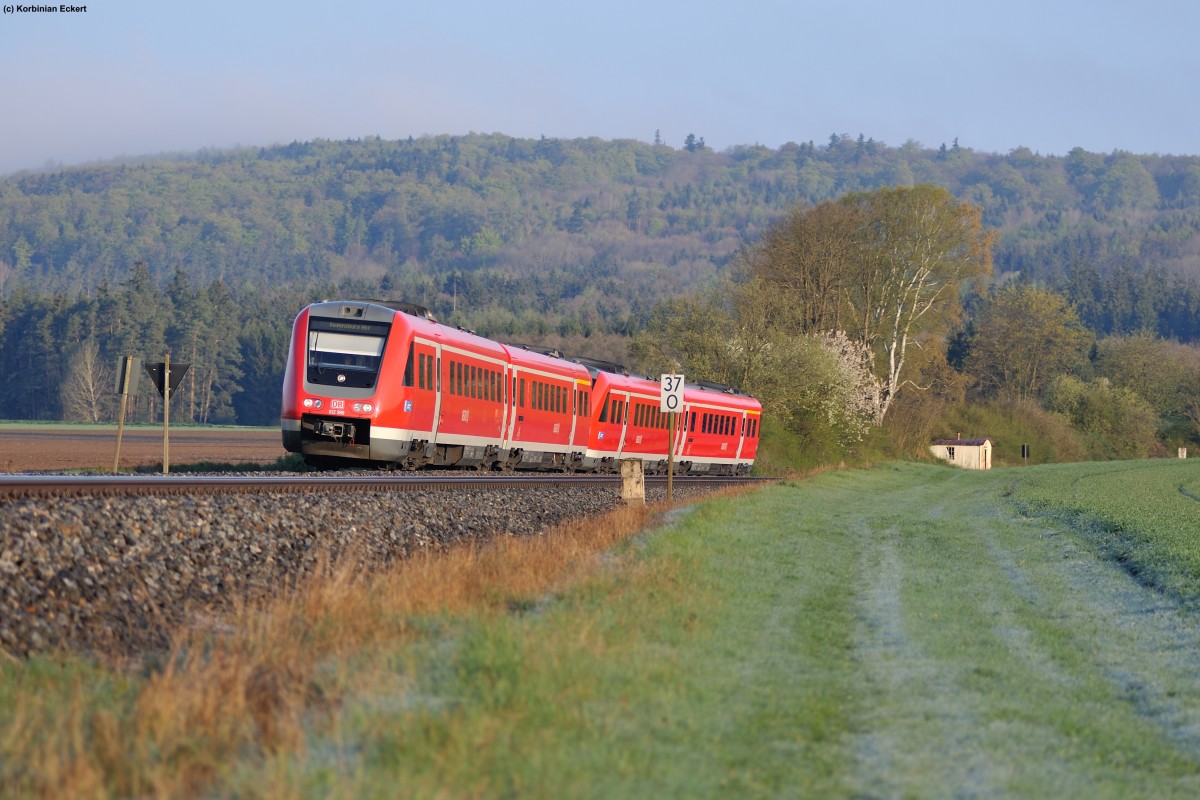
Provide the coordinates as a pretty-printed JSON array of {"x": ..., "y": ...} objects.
[{"x": 574, "y": 243}]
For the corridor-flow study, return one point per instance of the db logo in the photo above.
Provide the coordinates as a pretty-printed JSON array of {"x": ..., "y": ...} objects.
[{"x": 337, "y": 405}]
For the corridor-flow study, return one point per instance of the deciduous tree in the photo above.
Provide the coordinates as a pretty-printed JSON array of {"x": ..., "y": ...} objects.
[
  {"x": 886, "y": 268},
  {"x": 1023, "y": 337}
]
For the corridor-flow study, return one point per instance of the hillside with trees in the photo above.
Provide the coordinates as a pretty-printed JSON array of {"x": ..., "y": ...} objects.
[{"x": 576, "y": 243}]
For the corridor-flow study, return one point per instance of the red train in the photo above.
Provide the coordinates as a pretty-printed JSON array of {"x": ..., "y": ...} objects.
[{"x": 388, "y": 385}]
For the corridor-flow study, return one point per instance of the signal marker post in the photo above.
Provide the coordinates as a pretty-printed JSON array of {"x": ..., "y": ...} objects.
[
  {"x": 671, "y": 402},
  {"x": 166, "y": 378},
  {"x": 127, "y": 380}
]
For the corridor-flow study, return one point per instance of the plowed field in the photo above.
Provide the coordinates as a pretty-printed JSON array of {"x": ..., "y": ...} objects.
[{"x": 35, "y": 448}]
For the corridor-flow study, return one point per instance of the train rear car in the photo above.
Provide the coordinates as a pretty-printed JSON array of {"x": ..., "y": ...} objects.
[
  {"x": 722, "y": 430},
  {"x": 716, "y": 432}
]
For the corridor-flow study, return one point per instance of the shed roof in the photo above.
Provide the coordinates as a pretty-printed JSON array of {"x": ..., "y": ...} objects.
[{"x": 962, "y": 442}]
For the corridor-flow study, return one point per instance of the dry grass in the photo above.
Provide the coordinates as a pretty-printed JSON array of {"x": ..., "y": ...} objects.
[{"x": 244, "y": 687}]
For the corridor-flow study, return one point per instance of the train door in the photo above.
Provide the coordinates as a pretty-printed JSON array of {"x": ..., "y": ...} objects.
[
  {"x": 622, "y": 400},
  {"x": 679, "y": 442},
  {"x": 579, "y": 392},
  {"x": 506, "y": 409},
  {"x": 438, "y": 390},
  {"x": 742, "y": 433},
  {"x": 514, "y": 383},
  {"x": 421, "y": 405},
  {"x": 687, "y": 443}
]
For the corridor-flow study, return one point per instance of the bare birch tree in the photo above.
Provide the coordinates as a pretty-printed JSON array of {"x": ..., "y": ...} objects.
[
  {"x": 87, "y": 388},
  {"x": 884, "y": 269}
]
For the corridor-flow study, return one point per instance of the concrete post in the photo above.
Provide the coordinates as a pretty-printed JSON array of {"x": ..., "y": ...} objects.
[{"x": 633, "y": 481}]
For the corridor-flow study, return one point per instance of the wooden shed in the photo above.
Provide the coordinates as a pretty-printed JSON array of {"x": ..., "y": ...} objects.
[{"x": 965, "y": 453}]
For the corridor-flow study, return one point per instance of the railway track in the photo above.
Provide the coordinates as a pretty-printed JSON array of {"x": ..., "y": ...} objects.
[{"x": 165, "y": 485}]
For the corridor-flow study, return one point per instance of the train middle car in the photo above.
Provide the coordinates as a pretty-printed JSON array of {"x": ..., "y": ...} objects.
[{"x": 367, "y": 383}]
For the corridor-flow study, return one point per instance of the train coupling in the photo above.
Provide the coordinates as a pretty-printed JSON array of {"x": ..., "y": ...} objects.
[{"x": 336, "y": 430}]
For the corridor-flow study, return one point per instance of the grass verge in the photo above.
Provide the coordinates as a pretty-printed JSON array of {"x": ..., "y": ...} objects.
[{"x": 892, "y": 632}]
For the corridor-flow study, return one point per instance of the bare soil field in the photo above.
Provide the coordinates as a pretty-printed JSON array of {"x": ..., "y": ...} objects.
[{"x": 38, "y": 448}]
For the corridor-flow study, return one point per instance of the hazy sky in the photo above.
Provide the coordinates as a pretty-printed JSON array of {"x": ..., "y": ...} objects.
[{"x": 133, "y": 77}]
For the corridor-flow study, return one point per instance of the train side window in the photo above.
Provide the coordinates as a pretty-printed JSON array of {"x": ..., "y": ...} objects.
[
  {"x": 522, "y": 392},
  {"x": 420, "y": 370},
  {"x": 408, "y": 366},
  {"x": 429, "y": 366},
  {"x": 604, "y": 411},
  {"x": 692, "y": 427}
]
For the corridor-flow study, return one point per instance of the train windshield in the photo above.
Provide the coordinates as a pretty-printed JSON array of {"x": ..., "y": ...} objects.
[{"x": 342, "y": 358}]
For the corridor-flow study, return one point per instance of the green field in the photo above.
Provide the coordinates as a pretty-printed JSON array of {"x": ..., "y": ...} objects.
[{"x": 903, "y": 631}]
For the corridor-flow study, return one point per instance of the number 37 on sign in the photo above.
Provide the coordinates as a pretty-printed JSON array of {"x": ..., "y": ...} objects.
[{"x": 671, "y": 399}]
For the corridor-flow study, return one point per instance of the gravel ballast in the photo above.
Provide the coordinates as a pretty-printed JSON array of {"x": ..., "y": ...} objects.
[{"x": 119, "y": 574}]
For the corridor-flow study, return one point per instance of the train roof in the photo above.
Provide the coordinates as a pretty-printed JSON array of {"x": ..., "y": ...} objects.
[{"x": 542, "y": 358}]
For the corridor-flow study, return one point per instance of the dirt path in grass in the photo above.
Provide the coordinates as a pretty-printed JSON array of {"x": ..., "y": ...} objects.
[{"x": 1001, "y": 656}]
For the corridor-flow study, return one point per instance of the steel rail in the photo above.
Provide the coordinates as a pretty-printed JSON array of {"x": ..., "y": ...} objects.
[{"x": 107, "y": 485}]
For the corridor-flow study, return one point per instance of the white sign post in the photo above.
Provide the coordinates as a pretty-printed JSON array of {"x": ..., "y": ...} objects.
[{"x": 671, "y": 403}]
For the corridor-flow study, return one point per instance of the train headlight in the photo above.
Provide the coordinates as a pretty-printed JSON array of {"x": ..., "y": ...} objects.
[
  {"x": 368, "y": 408},
  {"x": 308, "y": 402},
  {"x": 358, "y": 408},
  {"x": 318, "y": 403}
]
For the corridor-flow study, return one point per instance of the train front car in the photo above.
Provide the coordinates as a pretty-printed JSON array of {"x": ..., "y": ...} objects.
[{"x": 341, "y": 404}]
